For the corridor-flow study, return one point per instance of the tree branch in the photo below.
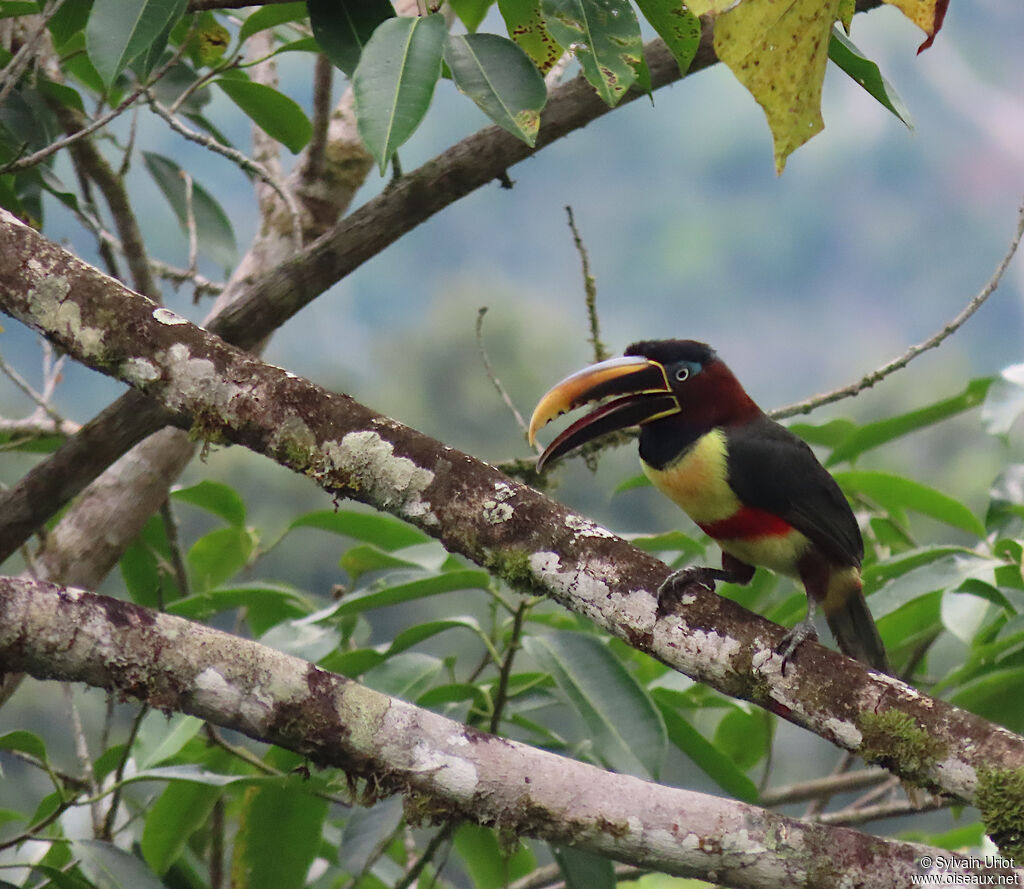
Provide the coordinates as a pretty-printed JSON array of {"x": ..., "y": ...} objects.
[
  {"x": 939, "y": 337},
  {"x": 512, "y": 530},
  {"x": 170, "y": 663}
]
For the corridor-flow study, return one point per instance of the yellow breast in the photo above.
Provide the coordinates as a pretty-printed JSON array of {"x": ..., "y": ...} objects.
[{"x": 698, "y": 481}]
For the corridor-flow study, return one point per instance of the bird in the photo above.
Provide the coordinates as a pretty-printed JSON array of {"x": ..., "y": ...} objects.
[{"x": 749, "y": 483}]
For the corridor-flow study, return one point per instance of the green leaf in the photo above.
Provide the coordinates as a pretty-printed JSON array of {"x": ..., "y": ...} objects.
[
  {"x": 213, "y": 228},
  {"x": 160, "y": 737},
  {"x": 343, "y": 28},
  {"x": 994, "y": 696},
  {"x": 463, "y": 579},
  {"x": 743, "y": 735},
  {"x": 945, "y": 573},
  {"x": 178, "y": 813},
  {"x": 636, "y": 481},
  {"x": 274, "y": 15},
  {"x": 492, "y": 864},
  {"x": 500, "y": 78},
  {"x": 406, "y": 676},
  {"x": 1004, "y": 402},
  {"x": 219, "y": 555},
  {"x": 394, "y": 81},
  {"x": 270, "y": 600},
  {"x": 471, "y": 12},
  {"x": 828, "y": 434},
  {"x": 676, "y": 25},
  {"x": 584, "y": 870},
  {"x": 279, "y": 837},
  {"x": 216, "y": 497},
  {"x": 120, "y": 30},
  {"x": 111, "y": 868},
  {"x": 382, "y": 531},
  {"x": 359, "y": 560},
  {"x": 25, "y": 742},
  {"x": 367, "y": 831},
  {"x": 894, "y": 492},
  {"x": 670, "y": 541},
  {"x": 625, "y": 726},
  {"x": 526, "y": 26},
  {"x": 845, "y": 54},
  {"x": 604, "y": 36},
  {"x": 67, "y": 21},
  {"x": 871, "y": 435},
  {"x": 279, "y": 116},
  {"x": 705, "y": 755}
]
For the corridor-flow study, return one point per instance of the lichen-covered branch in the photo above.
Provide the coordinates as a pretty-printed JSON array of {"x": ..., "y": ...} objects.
[
  {"x": 53, "y": 632},
  {"x": 225, "y": 394}
]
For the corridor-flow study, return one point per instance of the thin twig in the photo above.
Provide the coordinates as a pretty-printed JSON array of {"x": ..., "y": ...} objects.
[
  {"x": 501, "y": 692},
  {"x": 26, "y": 53},
  {"x": 84, "y": 759},
  {"x": 505, "y": 397},
  {"x": 589, "y": 291},
  {"x": 190, "y": 223},
  {"x": 37, "y": 397},
  {"x": 436, "y": 841},
  {"x": 115, "y": 797},
  {"x": 849, "y": 817},
  {"x": 98, "y": 124},
  {"x": 236, "y": 157},
  {"x": 816, "y": 787},
  {"x": 876, "y": 376},
  {"x": 174, "y": 546}
]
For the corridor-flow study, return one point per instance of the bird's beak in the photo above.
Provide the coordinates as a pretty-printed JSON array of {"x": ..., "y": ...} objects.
[{"x": 639, "y": 390}]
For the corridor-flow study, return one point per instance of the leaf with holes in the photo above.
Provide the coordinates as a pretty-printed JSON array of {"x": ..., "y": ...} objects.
[{"x": 605, "y": 36}]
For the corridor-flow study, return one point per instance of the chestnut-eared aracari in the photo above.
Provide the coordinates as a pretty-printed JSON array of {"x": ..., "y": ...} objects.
[{"x": 750, "y": 484}]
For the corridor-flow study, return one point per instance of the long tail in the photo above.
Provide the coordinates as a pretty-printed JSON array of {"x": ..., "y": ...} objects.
[{"x": 851, "y": 622}]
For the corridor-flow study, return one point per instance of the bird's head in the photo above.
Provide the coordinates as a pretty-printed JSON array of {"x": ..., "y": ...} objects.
[{"x": 653, "y": 380}]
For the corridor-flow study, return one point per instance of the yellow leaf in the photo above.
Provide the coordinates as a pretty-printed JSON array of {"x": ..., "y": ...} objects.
[
  {"x": 703, "y": 7},
  {"x": 926, "y": 14},
  {"x": 778, "y": 50}
]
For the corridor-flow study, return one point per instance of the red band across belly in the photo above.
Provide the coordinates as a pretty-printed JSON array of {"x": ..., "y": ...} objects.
[{"x": 748, "y": 522}]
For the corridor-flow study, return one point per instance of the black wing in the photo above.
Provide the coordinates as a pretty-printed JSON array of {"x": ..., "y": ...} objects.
[{"x": 772, "y": 469}]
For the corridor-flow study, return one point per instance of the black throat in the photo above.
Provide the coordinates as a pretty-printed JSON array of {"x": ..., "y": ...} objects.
[{"x": 664, "y": 441}]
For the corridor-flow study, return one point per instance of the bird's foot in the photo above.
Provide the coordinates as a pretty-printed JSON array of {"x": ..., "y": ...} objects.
[
  {"x": 670, "y": 593},
  {"x": 796, "y": 637}
]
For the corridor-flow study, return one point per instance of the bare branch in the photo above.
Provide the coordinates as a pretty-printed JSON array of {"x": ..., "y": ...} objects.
[
  {"x": 589, "y": 291},
  {"x": 236, "y": 157},
  {"x": 474, "y": 510},
  {"x": 492, "y": 376},
  {"x": 53, "y": 632},
  {"x": 876, "y": 376},
  {"x": 97, "y": 124}
]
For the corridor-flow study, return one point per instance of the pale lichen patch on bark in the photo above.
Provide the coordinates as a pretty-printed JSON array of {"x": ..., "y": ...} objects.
[
  {"x": 368, "y": 463},
  {"x": 845, "y": 732},
  {"x": 167, "y": 316},
  {"x": 584, "y": 527},
  {"x": 139, "y": 371},
  {"x": 53, "y": 311},
  {"x": 196, "y": 381},
  {"x": 455, "y": 774}
]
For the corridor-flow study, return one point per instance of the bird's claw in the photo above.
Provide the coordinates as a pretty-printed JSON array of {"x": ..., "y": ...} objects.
[
  {"x": 673, "y": 588},
  {"x": 801, "y": 632}
]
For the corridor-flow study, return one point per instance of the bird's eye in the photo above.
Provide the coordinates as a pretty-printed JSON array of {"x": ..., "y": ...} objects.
[{"x": 682, "y": 374}]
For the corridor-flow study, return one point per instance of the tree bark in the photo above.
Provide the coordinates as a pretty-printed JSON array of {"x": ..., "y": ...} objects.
[
  {"x": 227, "y": 395},
  {"x": 59, "y": 633}
]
